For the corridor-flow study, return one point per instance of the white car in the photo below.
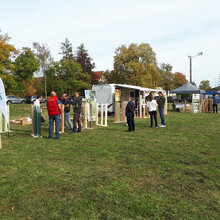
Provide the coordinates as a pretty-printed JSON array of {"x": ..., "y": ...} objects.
[{"x": 14, "y": 99}]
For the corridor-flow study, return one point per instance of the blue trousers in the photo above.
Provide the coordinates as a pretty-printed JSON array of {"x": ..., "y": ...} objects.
[
  {"x": 161, "y": 111},
  {"x": 55, "y": 118},
  {"x": 67, "y": 118}
]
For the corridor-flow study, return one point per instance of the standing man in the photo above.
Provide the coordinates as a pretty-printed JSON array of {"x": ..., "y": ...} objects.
[
  {"x": 130, "y": 108},
  {"x": 161, "y": 102},
  {"x": 66, "y": 103},
  {"x": 215, "y": 103},
  {"x": 37, "y": 102},
  {"x": 54, "y": 109},
  {"x": 77, "y": 103}
]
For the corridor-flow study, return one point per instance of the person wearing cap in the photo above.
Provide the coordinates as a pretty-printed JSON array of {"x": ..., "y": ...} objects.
[
  {"x": 161, "y": 102},
  {"x": 54, "y": 109},
  {"x": 130, "y": 108},
  {"x": 215, "y": 103}
]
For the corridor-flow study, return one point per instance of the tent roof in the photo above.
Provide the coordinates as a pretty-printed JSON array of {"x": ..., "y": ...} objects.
[
  {"x": 187, "y": 88},
  {"x": 211, "y": 92}
]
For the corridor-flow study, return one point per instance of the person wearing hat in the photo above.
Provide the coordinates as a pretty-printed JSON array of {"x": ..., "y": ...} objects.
[{"x": 161, "y": 102}]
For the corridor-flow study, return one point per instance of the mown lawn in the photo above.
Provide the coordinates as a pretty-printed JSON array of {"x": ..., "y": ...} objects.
[{"x": 107, "y": 173}]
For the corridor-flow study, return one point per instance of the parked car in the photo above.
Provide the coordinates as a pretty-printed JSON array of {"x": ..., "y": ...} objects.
[
  {"x": 33, "y": 98},
  {"x": 171, "y": 99},
  {"x": 14, "y": 99}
]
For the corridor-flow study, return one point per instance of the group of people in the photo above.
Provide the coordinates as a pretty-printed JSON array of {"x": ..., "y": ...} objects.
[
  {"x": 152, "y": 108},
  {"x": 54, "y": 112}
]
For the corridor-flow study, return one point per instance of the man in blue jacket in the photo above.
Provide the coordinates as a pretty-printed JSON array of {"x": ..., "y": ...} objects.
[
  {"x": 130, "y": 108},
  {"x": 215, "y": 103}
]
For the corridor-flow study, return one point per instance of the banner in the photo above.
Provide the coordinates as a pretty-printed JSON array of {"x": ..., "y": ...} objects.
[
  {"x": 3, "y": 106},
  {"x": 90, "y": 97}
]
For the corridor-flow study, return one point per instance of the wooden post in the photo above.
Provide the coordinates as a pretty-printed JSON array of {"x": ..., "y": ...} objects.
[
  {"x": 144, "y": 111},
  {"x": 102, "y": 114},
  {"x": 185, "y": 106},
  {"x": 106, "y": 115},
  {"x": 54, "y": 127},
  {"x": 165, "y": 106},
  {"x": 117, "y": 112},
  {"x": 123, "y": 111},
  {"x": 137, "y": 111},
  {"x": 97, "y": 113},
  {"x": 1, "y": 122},
  {"x": 140, "y": 105},
  {"x": 0, "y": 141},
  {"x": 62, "y": 118},
  {"x": 85, "y": 115}
]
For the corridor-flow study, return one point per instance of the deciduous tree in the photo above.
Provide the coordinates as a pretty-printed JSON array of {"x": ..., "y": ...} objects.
[
  {"x": 179, "y": 79},
  {"x": 205, "y": 85},
  {"x": 136, "y": 65}
]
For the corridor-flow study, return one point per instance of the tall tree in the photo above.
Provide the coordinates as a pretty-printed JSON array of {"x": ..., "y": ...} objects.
[
  {"x": 25, "y": 66},
  {"x": 166, "y": 77},
  {"x": 66, "y": 77},
  {"x": 205, "y": 85},
  {"x": 179, "y": 79},
  {"x": 83, "y": 58},
  {"x": 7, "y": 54},
  {"x": 42, "y": 53},
  {"x": 66, "y": 50},
  {"x": 136, "y": 65}
]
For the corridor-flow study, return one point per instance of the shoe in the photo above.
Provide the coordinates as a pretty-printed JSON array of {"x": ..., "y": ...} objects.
[
  {"x": 162, "y": 126},
  {"x": 156, "y": 126},
  {"x": 151, "y": 126},
  {"x": 78, "y": 131},
  {"x": 72, "y": 132}
]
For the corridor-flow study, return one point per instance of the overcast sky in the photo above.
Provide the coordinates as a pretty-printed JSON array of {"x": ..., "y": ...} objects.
[{"x": 174, "y": 29}]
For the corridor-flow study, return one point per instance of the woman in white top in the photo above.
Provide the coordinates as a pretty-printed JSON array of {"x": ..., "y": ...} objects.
[{"x": 152, "y": 107}]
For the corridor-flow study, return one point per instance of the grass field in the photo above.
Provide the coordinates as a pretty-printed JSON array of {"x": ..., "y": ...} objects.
[{"x": 107, "y": 173}]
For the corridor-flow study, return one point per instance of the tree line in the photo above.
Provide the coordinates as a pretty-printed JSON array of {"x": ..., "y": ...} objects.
[{"x": 134, "y": 64}]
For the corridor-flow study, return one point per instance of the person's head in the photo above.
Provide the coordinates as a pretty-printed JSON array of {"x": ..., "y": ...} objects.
[
  {"x": 53, "y": 93},
  {"x": 76, "y": 94},
  {"x": 150, "y": 97},
  {"x": 64, "y": 96},
  {"x": 160, "y": 93},
  {"x": 128, "y": 98},
  {"x": 39, "y": 97}
]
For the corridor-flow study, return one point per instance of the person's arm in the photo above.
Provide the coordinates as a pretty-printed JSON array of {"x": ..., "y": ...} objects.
[{"x": 59, "y": 104}]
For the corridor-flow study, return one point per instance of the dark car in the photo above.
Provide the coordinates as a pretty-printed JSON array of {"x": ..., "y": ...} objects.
[
  {"x": 33, "y": 98},
  {"x": 171, "y": 99}
]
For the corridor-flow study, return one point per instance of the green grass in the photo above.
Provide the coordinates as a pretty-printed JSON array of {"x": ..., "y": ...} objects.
[{"x": 107, "y": 173}]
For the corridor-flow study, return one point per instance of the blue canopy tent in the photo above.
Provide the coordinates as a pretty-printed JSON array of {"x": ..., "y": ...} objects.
[
  {"x": 212, "y": 92},
  {"x": 187, "y": 88}
]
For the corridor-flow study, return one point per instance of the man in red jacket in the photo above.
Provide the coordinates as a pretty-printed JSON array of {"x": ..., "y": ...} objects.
[{"x": 54, "y": 109}]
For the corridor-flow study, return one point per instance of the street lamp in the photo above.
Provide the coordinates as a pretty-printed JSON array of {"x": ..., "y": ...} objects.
[{"x": 190, "y": 64}]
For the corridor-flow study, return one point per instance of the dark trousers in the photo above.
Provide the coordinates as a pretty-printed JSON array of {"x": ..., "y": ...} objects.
[
  {"x": 153, "y": 115},
  {"x": 130, "y": 121},
  {"x": 215, "y": 108},
  {"x": 76, "y": 120}
]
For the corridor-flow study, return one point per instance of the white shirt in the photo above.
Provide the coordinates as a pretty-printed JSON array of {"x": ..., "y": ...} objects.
[
  {"x": 37, "y": 103},
  {"x": 152, "y": 105}
]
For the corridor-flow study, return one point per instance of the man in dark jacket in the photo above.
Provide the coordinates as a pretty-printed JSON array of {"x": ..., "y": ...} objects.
[
  {"x": 161, "y": 102},
  {"x": 130, "y": 108},
  {"x": 77, "y": 103}
]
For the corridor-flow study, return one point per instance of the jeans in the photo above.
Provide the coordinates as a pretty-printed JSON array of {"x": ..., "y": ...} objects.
[
  {"x": 161, "y": 111},
  {"x": 67, "y": 118},
  {"x": 55, "y": 118},
  {"x": 130, "y": 121},
  {"x": 77, "y": 121},
  {"x": 153, "y": 114},
  {"x": 215, "y": 108}
]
